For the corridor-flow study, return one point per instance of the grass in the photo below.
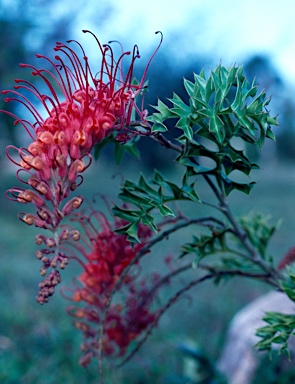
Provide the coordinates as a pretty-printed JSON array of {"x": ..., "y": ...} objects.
[{"x": 38, "y": 343}]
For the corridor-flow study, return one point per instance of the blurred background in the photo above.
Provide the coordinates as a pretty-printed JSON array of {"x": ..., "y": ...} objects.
[{"x": 197, "y": 33}]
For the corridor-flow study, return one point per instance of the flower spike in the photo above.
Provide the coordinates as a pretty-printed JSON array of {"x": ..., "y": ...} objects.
[{"x": 79, "y": 110}]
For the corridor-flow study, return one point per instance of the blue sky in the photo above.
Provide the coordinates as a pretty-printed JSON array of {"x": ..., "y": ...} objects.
[{"x": 227, "y": 30}]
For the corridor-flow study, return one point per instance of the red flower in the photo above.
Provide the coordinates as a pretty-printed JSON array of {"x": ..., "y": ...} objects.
[
  {"x": 81, "y": 106},
  {"x": 81, "y": 109},
  {"x": 110, "y": 254}
]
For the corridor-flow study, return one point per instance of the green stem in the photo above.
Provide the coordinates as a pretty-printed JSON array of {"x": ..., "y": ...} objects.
[{"x": 242, "y": 237}]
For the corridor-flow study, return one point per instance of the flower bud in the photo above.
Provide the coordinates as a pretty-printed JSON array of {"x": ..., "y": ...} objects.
[
  {"x": 31, "y": 219},
  {"x": 75, "y": 235},
  {"x": 50, "y": 242},
  {"x": 39, "y": 254},
  {"x": 74, "y": 203},
  {"x": 86, "y": 359},
  {"x": 64, "y": 235},
  {"x": 29, "y": 196},
  {"x": 78, "y": 166},
  {"x": 45, "y": 215}
]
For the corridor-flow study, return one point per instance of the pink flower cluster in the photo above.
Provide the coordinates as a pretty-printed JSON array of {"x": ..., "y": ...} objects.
[
  {"x": 81, "y": 107},
  {"x": 81, "y": 110},
  {"x": 110, "y": 254}
]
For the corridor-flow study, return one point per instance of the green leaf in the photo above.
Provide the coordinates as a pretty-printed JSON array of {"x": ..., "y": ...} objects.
[
  {"x": 132, "y": 232},
  {"x": 165, "y": 211},
  {"x": 206, "y": 245},
  {"x": 258, "y": 231},
  {"x": 230, "y": 185},
  {"x": 215, "y": 125},
  {"x": 159, "y": 127},
  {"x": 131, "y": 147},
  {"x": 270, "y": 134},
  {"x": 189, "y": 86},
  {"x": 245, "y": 121},
  {"x": 278, "y": 331},
  {"x": 178, "y": 102},
  {"x": 129, "y": 215},
  {"x": 163, "y": 109},
  {"x": 99, "y": 146},
  {"x": 211, "y": 115},
  {"x": 158, "y": 178},
  {"x": 158, "y": 118},
  {"x": 189, "y": 190},
  {"x": 119, "y": 152},
  {"x": 184, "y": 125},
  {"x": 201, "y": 83},
  {"x": 144, "y": 185},
  {"x": 234, "y": 159}
]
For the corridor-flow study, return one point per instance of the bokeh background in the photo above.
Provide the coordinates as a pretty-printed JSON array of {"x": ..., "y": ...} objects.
[{"x": 38, "y": 344}]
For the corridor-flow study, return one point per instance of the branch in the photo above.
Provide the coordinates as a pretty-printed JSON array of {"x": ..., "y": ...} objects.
[
  {"x": 141, "y": 253},
  {"x": 224, "y": 207},
  {"x": 178, "y": 295},
  {"x": 242, "y": 237}
]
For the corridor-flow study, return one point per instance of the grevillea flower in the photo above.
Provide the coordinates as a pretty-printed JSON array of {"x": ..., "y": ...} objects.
[
  {"x": 82, "y": 106},
  {"x": 109, "y": 254}
]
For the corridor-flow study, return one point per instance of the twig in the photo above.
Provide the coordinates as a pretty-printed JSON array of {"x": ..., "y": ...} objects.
[
  {"x": 178, "y": 295},
  {"x": 141, "y": 253}
]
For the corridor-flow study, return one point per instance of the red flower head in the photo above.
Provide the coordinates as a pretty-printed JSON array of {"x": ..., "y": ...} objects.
[
  {"x": 82, "y": 105},
  {"x": 110, "y": 254}
]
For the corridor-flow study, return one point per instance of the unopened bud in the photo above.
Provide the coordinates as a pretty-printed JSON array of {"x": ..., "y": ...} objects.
[
  {"x": 45, "y": 138},
  {"x": 26, "y": 162},
  {"x": 77, "y": 296},
  {"x": 39, "y": 239},
  {"x": 39, "y": 254},
  {"x": 50, "y": 242},
  {"x": 86, "y": 359},
  {"x": 82, "y": 326},
  {"x": 29, "y": 196},
  {"x": 73, "y": 187},
  {"x": 75, "y": 235},
  {"x": 74, "y": 203},
  {"x": 40, "y": 300},
  {"x": 80, "y": 313},
  {"x": 65, "y": 235},
  {"x": 37, "y": 163},
  {"x": 77, "y": 167},
  {"x": 45, "y": 215},
  {"x": 30, "y": 219},
  {"x": 51, "y": 291},
  {"x": 53, "y": 263}
]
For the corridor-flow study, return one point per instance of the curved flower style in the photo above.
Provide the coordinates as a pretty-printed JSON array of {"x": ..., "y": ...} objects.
[
  {"x": 81, "y": 109},
  {"x": 110, "y": 253}
]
